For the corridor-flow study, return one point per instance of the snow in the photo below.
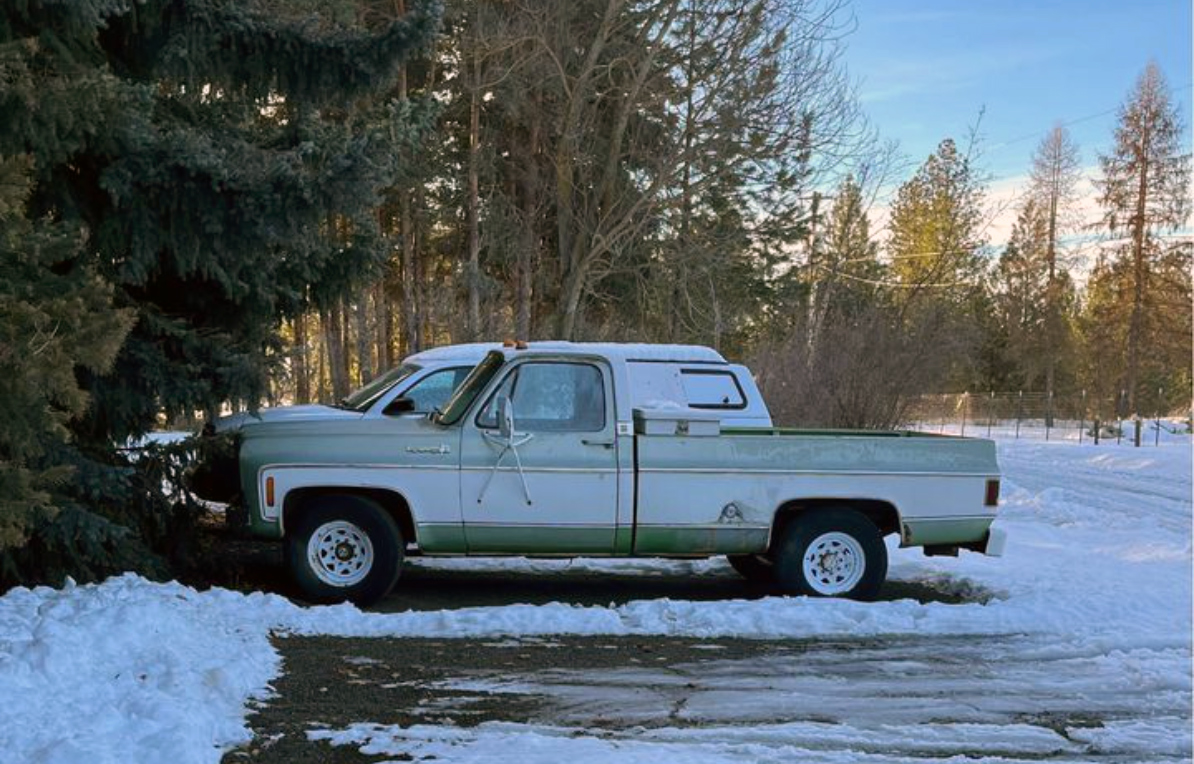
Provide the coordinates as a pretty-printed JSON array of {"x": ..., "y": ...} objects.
[
  {"x": 809, "y": 742},
  {"x": 1092, "y": 600}
]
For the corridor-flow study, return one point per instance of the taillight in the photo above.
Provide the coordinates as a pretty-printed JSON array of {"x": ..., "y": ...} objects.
[
  {"x": 992, "y": 499},
  {"x": 269, "y": 492}
]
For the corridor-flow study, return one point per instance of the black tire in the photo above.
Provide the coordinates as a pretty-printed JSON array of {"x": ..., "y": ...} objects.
[
  {"x": 367, "y": 520},
  {"x": 811, "y": 527},
  {"x": 753, "y": 567}
]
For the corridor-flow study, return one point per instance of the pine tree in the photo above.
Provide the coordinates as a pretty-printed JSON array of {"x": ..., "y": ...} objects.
[
  {"x": 934, "y": 246},
  {"x": 1056, "y": 170},
  {"x": 1035, "y": 301},
  {"x": 53, "y": 319},
  {"x": 217, "y": 166},
  {"x": 1144, "y": 191},
  {"x": 935, "y": 229},
  {"x": 846, "y": 270}
]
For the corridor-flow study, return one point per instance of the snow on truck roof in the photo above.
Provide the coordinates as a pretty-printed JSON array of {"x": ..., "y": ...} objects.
[
  {"x": 472, "y": 352},
  {"x": 619, "y": 351}
]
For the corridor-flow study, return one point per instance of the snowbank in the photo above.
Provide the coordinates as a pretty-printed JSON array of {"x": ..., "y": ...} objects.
[{"x": 1099, "y": 560}]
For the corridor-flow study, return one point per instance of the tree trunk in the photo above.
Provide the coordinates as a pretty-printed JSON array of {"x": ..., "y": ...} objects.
[
  {"x": 364, "y": 346},
  {"x": 473, "y": 267},
  {"x": 1136, "y": 324},
  {"x": 410, "y": 291},
  {"x": 302, "y": 380},
  {"x": 1052, "y": 308},
  {"x": 384, "y": 317},
  {"x": 333, "y": 337},
  {"x": 570, "y": 295},
  {"x": 321, "y": 388},
  {"x": 528, "y": 251}
]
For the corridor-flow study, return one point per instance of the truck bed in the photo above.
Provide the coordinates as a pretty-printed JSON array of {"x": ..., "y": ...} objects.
[{"x": 722, "y": 492}]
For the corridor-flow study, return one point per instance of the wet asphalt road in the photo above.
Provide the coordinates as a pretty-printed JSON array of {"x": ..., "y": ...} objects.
[
  {"x": 622, "y": 686},
  {"x": 331, "y": 682}
]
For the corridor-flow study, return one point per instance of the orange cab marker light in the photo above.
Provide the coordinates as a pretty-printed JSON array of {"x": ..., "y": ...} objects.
[
  {"x": 992, "y": 499},
  {"x": 269, "y": 492}
]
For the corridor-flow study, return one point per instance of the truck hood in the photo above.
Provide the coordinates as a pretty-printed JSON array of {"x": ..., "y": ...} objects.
[{"x": 306, "y": 413}]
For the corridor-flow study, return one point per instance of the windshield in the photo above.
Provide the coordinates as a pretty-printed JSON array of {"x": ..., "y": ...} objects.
[
  {"x": 472, "y": 385},
  {"x": 365, "y": 397}
]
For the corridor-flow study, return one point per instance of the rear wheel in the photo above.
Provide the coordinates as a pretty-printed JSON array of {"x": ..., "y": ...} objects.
[
  {"x": 753, "y": 567},
  {"x": 832, "y": 552},
  {"x": 344, "y": 548}
]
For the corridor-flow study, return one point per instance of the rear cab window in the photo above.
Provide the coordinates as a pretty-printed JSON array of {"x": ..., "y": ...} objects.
[{"x": 712, "y": 389}]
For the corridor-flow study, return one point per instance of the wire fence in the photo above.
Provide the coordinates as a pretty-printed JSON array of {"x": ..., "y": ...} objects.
[{"x": 1032, "y": 415}]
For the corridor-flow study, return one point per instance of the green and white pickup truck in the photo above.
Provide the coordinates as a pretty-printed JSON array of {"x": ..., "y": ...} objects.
[{"x": 563, "y": 449}]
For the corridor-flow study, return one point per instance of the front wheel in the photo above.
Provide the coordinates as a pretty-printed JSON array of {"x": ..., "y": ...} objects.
[
  {"x": 832, "y": 553},
  {"x": 344, "y": 548}
]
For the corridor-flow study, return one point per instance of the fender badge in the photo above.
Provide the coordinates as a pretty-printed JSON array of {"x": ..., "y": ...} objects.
[{"x": 439, "y": 450}]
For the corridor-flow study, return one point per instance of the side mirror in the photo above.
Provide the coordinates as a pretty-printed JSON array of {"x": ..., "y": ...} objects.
[
  {"x": 505, "y": 417},
  {"x": 399, "y": 405}
]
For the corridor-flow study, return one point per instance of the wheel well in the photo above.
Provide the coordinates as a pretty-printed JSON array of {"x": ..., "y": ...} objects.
[
  {"x": 883, "y": 514},
  {"x": 391, "y": 501}
]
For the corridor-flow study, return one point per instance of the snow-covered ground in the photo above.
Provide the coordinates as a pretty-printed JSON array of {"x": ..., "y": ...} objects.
[{"x": 1091, "y": 617}]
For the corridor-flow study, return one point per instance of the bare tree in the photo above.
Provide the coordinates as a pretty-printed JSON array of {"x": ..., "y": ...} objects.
[{"x": 1056, "y": 170}]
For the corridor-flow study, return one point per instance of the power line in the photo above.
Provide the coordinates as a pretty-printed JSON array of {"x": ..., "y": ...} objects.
[{"x": 1077, "y": 121}]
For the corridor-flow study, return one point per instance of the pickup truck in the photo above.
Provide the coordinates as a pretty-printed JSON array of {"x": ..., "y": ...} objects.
[{"x": 587, "y": 449}]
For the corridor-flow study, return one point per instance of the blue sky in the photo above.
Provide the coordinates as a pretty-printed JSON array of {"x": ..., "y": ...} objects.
[{"x": 927, "y": 67}]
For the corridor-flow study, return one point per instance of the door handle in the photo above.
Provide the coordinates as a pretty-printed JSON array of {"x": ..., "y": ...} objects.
[{"x": 596, "y": 442}]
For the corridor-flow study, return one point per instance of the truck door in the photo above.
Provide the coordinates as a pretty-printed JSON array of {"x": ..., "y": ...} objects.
[{"x": 548, "y": 484}]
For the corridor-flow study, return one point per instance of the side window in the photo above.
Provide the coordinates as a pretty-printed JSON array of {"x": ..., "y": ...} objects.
[
  {"x": 712, "y": 389},
  {"x": 551, "y": 397},
  {"x": 432, "y": 391}
]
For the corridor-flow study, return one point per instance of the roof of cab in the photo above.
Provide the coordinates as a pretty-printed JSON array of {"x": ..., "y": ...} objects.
[
  {"x": 472, "y": 352},
  {"x": 616, "y": 351},
  {"x": 629, "y": 351}
]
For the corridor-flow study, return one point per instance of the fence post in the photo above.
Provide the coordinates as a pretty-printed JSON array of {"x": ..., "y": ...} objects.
[
  {"x": 991, "y": 412},
  {"x": 1160, "y": 398},
  {"x": 1048, "y": 415},
  {"x": 1096, "y": 430},
  {"x": 965, "y": 407},
  {"x": 1082, "y": 421},
  {"x": 1137, "y": 429},
  {"x": 1119, "y": 416},
  {"x": 1019, "y": 412}
]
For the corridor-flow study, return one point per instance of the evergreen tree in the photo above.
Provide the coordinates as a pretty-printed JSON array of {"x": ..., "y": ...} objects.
[
  {"x": 1144, "y": 191},
  {"x": 935, "y": 238},
  {"x": 1056, "y": 169},
  {"x": 1103, "y": 323},
  {"x": 218, "y": 165},
  {"x": 936, "y": 229},
  {"x": 845, "y": 268},
  {"x": 53, "y": 319},
  {"x": 1034, "y": 301}
]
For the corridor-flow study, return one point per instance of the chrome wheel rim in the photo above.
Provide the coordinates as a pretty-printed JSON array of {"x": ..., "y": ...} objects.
[
  {"x": 340, "y": 553},
  {"x": 834, "y": 563}
]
